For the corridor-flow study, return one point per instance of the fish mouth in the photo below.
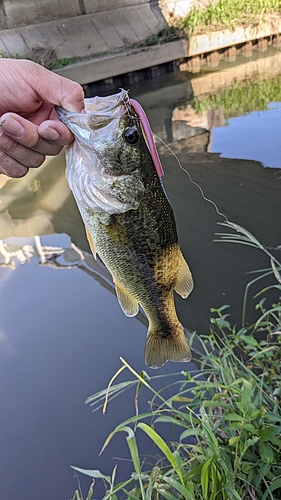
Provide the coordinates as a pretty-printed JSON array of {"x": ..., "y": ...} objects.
[
  {"x": 107, "y": 104},
  {"x": 99, "y": 108},
  {"x": 97, "y": 113}
]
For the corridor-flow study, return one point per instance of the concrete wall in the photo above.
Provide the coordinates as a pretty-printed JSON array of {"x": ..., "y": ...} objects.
[
  {"x": 25, "y": 12},
  {"x": 15, "y": 13},
  {"x": 172, "y": 9},
  {"x": 102, "y": 5}
]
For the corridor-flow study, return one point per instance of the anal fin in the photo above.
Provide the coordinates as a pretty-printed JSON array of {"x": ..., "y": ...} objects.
[
  {"x": 91, "y": 242},
  {"x": 128, "y": 303},
  {"x": 184, "y": 285}
]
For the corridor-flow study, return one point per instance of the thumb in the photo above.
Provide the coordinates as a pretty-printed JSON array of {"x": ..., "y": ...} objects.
[
  {"x": 57, "y": 90},
  {"x": 70, "y": 97}
]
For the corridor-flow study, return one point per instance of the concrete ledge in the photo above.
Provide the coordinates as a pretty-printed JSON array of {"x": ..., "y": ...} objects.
[
  {"x": 108, "y": 66},
  {"x": 202, "y": 44}
]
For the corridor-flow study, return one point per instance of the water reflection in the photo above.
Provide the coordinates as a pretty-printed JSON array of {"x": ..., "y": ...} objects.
[
  {"x": 57, "y": 252},
  {"x": 61, "y": 332},
  {"x": 255, "y": 136},
  {"x": 233, "y": 110}
]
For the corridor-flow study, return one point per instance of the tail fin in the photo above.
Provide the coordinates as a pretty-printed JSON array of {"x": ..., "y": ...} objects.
[{"x": 159, "y": 349}]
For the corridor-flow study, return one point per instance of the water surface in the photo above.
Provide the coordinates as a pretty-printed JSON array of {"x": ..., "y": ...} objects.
[{"x": 61, "y": 328}]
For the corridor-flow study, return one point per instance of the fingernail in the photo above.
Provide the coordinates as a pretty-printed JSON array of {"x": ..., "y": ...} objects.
[
  {"x": 50, "y": 134},
  {"x": 12, "y": 127}
]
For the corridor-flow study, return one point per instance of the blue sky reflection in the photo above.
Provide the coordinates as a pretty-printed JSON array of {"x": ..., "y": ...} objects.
[{"x": 251, "y": 137}]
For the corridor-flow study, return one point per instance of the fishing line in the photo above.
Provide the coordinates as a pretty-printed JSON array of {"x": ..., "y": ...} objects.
[
  {"x": 191, "y": 180},
  {"x": 232, "y": 224},
  {"x": 151, "y": 144}
]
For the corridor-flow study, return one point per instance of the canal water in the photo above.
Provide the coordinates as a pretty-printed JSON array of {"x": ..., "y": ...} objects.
[{"x": 62, "y": 331}]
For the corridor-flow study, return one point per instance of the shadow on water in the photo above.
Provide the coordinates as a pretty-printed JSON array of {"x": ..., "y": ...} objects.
[{"x": 61, "y": 328}]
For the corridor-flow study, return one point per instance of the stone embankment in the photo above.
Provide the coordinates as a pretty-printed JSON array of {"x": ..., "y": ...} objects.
[{"x": 98, "y": 40}]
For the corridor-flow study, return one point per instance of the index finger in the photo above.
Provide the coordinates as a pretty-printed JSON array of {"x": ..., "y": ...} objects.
[{"x": 28, "y": 134}]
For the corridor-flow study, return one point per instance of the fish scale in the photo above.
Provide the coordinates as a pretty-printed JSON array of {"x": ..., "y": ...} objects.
[{"x": 136, "y": 236}]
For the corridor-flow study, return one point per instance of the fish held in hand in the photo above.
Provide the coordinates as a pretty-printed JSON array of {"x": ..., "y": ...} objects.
[{"x": 113, "y": 170}]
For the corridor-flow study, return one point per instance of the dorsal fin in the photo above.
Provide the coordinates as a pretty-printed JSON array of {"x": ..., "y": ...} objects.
[{"x": 184, "y": 285}]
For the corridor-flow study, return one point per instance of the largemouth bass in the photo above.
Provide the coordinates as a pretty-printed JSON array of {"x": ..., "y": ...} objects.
[{"x": 114, "y": 173}]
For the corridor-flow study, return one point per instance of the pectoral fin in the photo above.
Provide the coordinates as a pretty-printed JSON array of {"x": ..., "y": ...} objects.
[
  {"x": 128, "y": 303},
  {"x": 184, "y": 285},
  {"x": 91, "y": 242}
]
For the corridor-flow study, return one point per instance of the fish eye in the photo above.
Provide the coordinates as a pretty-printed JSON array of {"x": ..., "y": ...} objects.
[{"x": 131, "y": 135}]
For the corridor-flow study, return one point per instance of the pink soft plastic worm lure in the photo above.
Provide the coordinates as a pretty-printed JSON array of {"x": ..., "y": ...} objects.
[{"x": 148, "y": 134}]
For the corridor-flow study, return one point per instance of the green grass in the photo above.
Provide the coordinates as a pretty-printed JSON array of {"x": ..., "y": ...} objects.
[
  {"x": 52, "y": 63},
  {"x": 242, "y": 97},
  {"x": 48, "y": 62},
  {"x": 61, "y": 63},
  {"x": 230, "y": 14},
  {"x": 165, "y": 35},
  {"x": 224, "y": 418},
  {"x": 229, "y": 424}
]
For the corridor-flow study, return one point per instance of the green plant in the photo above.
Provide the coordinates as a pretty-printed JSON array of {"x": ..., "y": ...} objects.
[
  {"x": 60, "y": 63},
  {"x": 78, "y": 496},
  {"x": 227, "y": 413},
  {"x": 165, "y": 35},
  {"x": 229, "y": 420},
  {"x": 242, "y": 236},
  {"x": 230, "y": 13}
]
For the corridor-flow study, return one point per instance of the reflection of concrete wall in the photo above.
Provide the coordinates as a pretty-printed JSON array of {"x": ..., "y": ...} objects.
[
  {"x": 172, "y": 117},
  {"x": 27, "y": 208},
  {"x": 193, "y": 129},
  {"x": 206, "y": 120},
  {"x": 174, "y": 120},
  {"x": 210, "y": 83},
  {"x": 159, "y": 105}
]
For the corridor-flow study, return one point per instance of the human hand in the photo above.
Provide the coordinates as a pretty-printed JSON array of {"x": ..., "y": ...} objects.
[{"x": 29, "y": 125}]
